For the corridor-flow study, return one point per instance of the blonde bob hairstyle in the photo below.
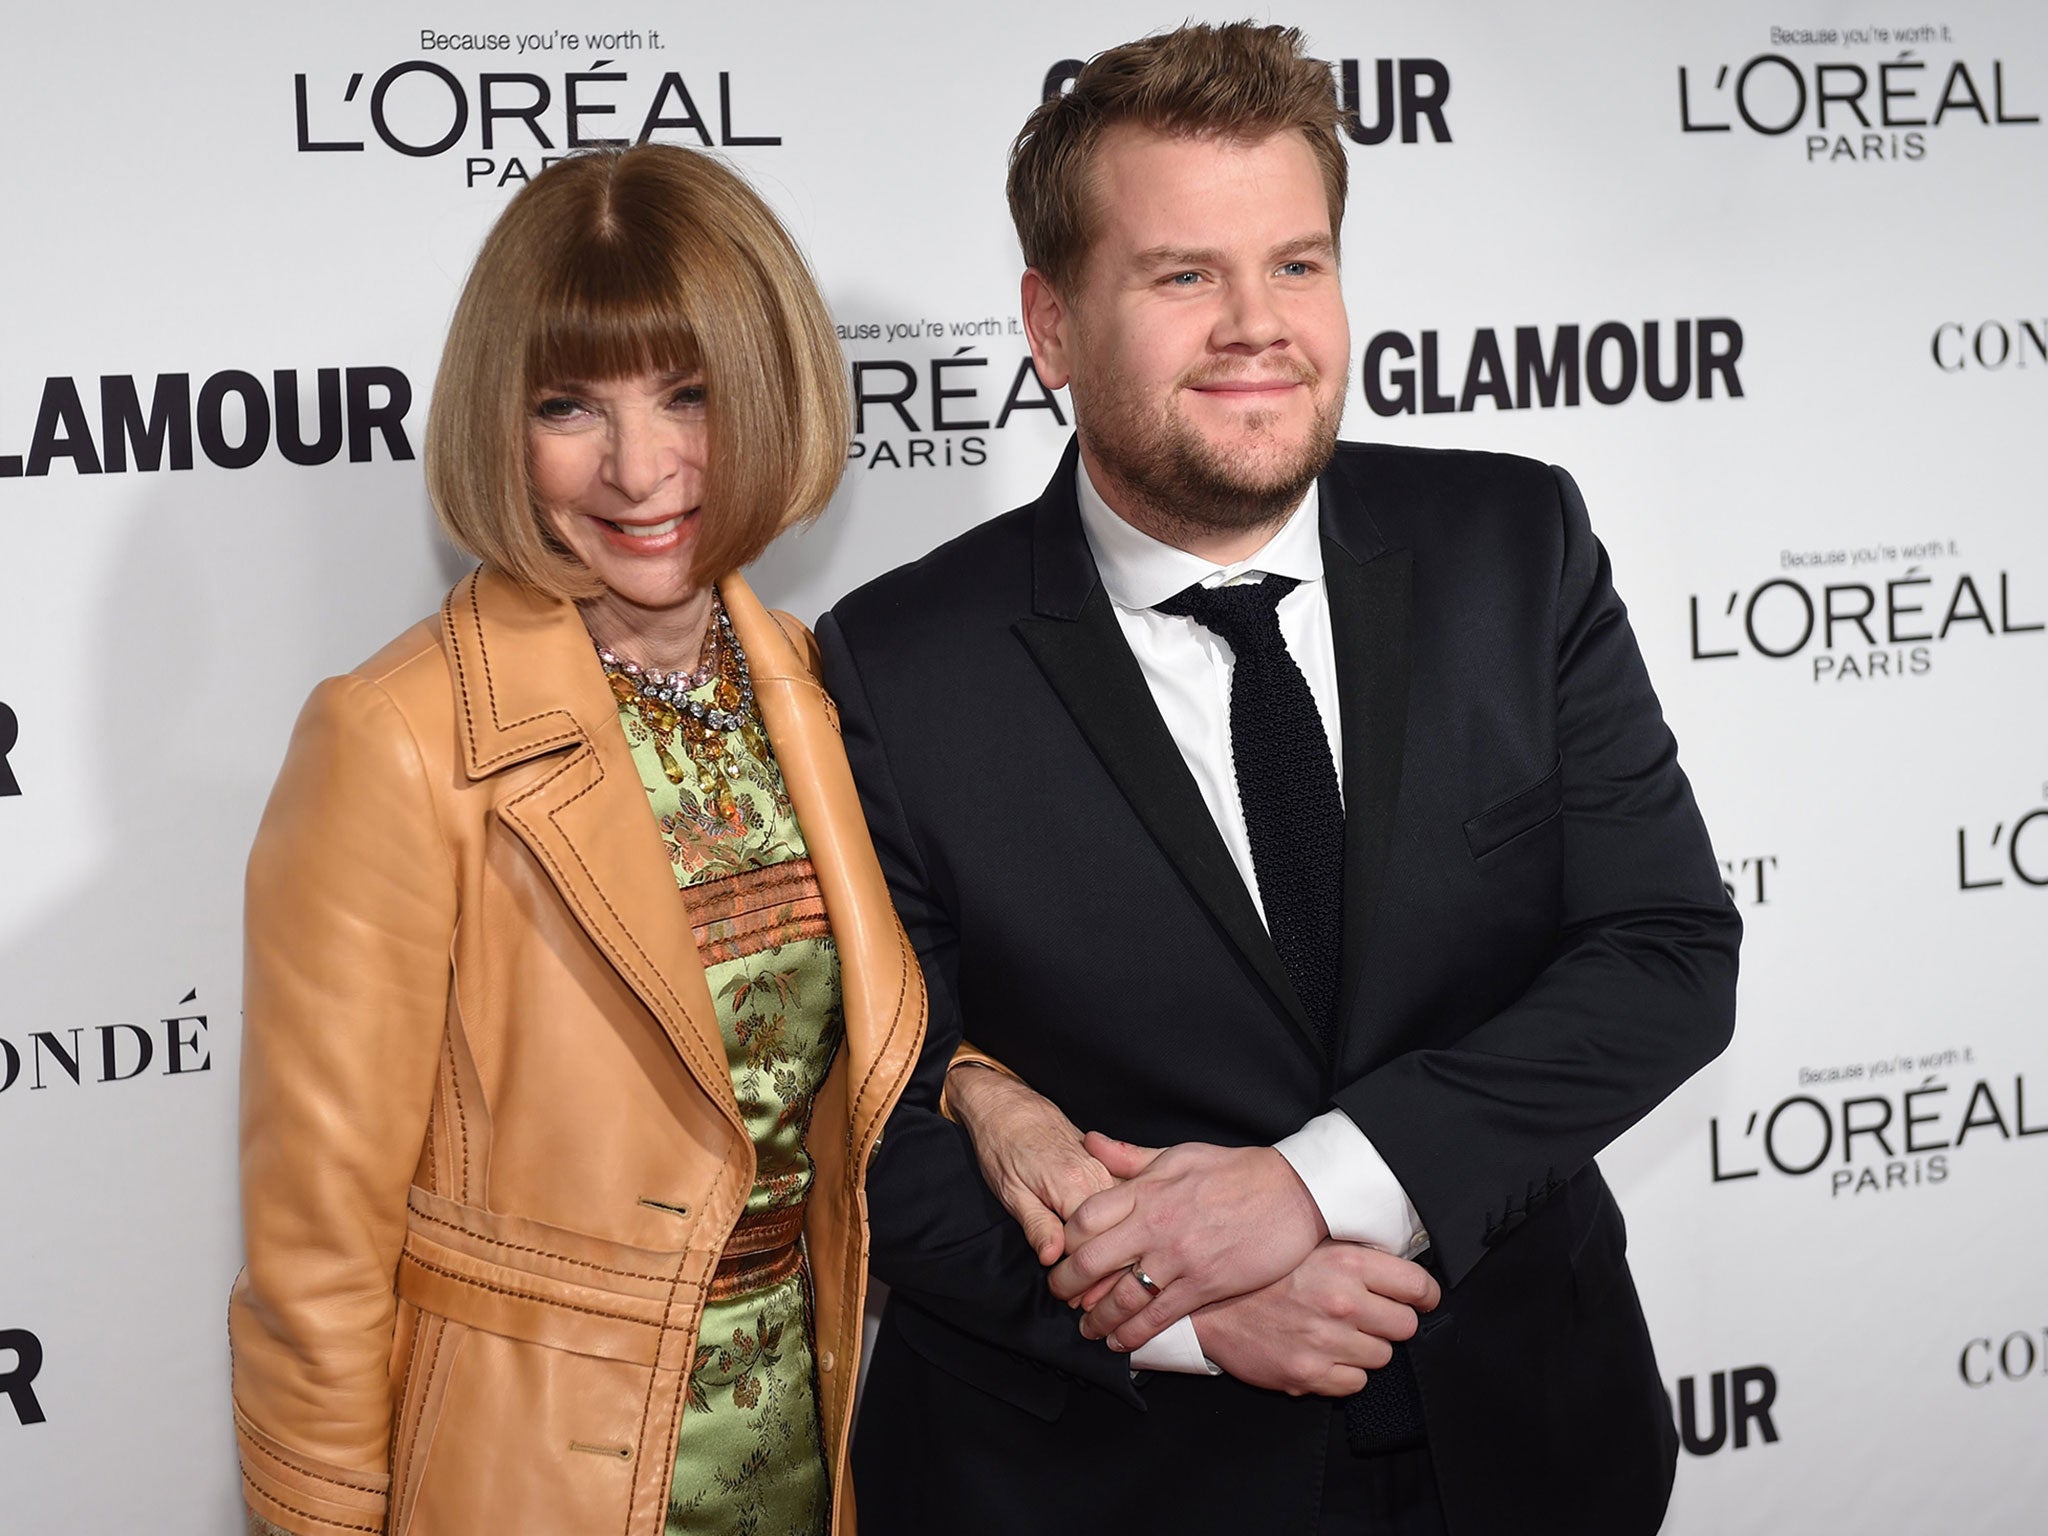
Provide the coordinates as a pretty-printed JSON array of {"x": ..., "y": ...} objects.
[{"x": 622, "y": 262}]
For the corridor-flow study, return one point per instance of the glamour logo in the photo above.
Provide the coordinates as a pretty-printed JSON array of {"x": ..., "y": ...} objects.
[
  {"x": 2018, "y": 848},
  {"x": 121, "y": 1053},
  {"x": 933, "y": 410},
  {"x": 1407, "y": 93},
  {"x": 1403, "y": 375},
  {"x": 235, "y": 416},
  {"x": 17, "y": 1382},
  {"x": 1740, "y": 1400},
  {"x": 1870, "y": 1143},
  {"x": 1853, "y": 631},
  {"x": 510, "y": 124},
  {"x": 1989, "y": 345},
  {"x": 1425, "y": 85},
  {"x": 10, "y": 734},
  {"x": 1842, "y": 110},
  {"x": 2016, "y": 1357}
]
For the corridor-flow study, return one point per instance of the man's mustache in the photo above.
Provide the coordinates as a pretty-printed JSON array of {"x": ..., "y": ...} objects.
[{"x": 1286, "y": 373}]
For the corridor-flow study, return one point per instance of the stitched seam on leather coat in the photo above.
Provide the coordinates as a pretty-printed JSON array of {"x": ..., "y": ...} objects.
[
  {"x": 544, "y": 1253},
  {"x": 514, "y": 1291}
]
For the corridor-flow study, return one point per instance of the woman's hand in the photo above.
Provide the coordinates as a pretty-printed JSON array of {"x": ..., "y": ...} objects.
[{"x": 1030, "y": 1154}]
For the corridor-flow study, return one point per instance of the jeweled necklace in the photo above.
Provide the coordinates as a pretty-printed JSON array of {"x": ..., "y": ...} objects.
[
  {"x": 661, "y": 701},
  {"x": 662, "y": 687}
]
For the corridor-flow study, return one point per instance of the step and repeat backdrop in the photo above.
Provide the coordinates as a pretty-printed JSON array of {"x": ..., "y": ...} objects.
[{"x": 1767, "y": 277}]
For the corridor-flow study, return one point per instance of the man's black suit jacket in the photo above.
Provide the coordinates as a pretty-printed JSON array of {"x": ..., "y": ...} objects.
[{"x": 1537, "y": 949}]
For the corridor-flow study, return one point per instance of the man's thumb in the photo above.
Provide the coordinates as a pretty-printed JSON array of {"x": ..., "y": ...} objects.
[{"x": 1123, "y": 1160}]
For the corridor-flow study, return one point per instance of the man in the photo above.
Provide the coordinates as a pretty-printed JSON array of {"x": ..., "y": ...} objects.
[{"x": 1302, "y": 809}]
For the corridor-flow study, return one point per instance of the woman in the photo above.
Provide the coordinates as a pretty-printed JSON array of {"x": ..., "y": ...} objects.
[{"x": 575, "y": 1002}]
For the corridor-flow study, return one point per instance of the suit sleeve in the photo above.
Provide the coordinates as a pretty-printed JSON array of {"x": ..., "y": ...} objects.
[
  {"x": 938, "y": 1237},
  {"x": 1641, "y": 990},
  {"x": 350, "y": 910}
]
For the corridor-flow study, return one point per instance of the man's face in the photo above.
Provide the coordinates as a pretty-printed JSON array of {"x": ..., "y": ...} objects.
[{"x": 1206, "y": 343}]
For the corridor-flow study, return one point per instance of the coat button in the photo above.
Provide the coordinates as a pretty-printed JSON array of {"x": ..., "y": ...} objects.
[{"x": 826, "y": 1360}]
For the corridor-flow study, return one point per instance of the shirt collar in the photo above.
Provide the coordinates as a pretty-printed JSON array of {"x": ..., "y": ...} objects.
[{"x": 1139, "y": 571}]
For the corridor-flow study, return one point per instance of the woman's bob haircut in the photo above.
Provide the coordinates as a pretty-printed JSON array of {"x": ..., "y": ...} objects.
[{"x": 623, "y": 262}]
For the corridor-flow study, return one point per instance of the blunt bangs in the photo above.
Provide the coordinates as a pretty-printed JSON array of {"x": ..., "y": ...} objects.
[{"x": 609, "y": 313}]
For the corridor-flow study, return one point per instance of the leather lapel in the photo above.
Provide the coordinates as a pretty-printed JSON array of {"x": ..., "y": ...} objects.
[
  {"x": 589, "y": 824},
  {"x": 1369, "y": 589},
  {"x": 1078, "y": 645},
  {"x": 883, "y": 990},
  {"x": 528, "y": 684}
]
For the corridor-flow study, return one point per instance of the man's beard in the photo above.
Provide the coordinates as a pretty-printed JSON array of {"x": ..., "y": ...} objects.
[{"x": 1185, "y": 487}]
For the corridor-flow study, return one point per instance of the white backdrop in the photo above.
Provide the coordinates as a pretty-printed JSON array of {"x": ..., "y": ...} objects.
[{"x": 1844, "y": 215}]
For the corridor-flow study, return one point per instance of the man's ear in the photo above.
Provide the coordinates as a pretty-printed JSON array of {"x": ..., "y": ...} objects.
[{"x": 1048, "y": 324}]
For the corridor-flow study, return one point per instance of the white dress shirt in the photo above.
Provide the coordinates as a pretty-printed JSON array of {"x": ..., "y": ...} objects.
[{"x": 1188, "y": 669}]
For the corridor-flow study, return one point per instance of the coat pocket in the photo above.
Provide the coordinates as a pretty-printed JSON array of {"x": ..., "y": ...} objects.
[
  {"x": 1521, "y": 813},
  {"x": 545, "y": 1369},
  {"x": 528, "y": 1438}
]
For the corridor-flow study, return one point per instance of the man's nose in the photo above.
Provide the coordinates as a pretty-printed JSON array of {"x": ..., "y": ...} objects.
[{"x": 1249, "y": 320}]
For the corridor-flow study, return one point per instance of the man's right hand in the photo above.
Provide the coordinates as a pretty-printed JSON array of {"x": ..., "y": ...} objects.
[
  {"x": 1030, "y": 1154},
  {"x": 1323, "y": 1327}
]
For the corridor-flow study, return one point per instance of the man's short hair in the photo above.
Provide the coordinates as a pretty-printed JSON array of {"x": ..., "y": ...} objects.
[
  {"x": 1241, "y": 82},
  {"x": 614, "y": 263}
]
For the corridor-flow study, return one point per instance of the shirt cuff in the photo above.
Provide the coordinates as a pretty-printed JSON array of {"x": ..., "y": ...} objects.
[
  {"x": 1360, "y": 1199},
  {"x": 1176, "y": 1348}
]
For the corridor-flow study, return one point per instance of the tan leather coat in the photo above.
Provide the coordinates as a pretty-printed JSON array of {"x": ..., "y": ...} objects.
[{"x": 490, "y": 1150}]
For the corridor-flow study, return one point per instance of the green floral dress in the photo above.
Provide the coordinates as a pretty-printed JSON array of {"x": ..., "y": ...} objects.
[{"x": 750, "y": 1459}]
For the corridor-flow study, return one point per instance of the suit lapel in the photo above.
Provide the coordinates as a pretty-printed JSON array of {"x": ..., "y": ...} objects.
[
  {"x": 1079, "y": 646},
  {"x": 1369, "y": 590}
]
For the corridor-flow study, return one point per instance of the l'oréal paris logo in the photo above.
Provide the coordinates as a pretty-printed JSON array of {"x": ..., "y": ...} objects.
[
  {"x": 1853, "y": 95},
  {"x": 1837, "y": 617},
  {"x": 510, "y": 104},
  {"x": 2005, "y": 853},
  {"x": 1874, "y": 1127}
]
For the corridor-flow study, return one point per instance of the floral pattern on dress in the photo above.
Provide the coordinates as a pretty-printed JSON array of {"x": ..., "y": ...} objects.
[{"x": 750, "y": 1456}]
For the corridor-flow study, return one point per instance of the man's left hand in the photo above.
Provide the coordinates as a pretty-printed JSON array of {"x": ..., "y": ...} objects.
[{"x": 1203, "y": 1222}]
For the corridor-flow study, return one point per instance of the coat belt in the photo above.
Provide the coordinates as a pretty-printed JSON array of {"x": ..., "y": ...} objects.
[{"x": 567, "y": 1290}]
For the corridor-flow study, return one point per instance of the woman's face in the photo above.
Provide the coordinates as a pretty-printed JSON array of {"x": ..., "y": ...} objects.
[{"x": 618, "y": 470}]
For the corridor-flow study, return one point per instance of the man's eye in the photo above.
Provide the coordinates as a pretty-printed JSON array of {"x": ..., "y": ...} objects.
[
  {"x": 1185, "y": 279},
  {"x": 1295, "y": 268}
]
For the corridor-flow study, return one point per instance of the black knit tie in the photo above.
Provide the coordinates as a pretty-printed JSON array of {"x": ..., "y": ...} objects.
[{"x": 1286, "y": 784}]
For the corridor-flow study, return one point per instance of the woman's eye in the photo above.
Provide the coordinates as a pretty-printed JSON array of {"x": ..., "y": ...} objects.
[
  {"x": 558, "y": 408},
  {"x": 688, "y": 395}
]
